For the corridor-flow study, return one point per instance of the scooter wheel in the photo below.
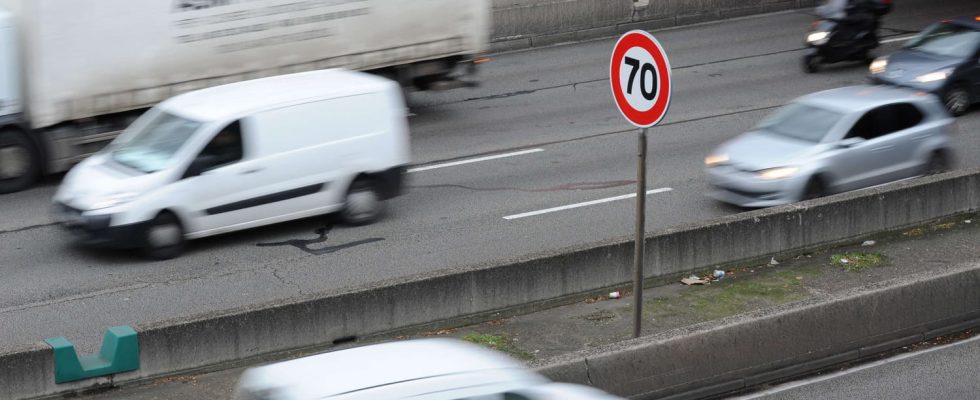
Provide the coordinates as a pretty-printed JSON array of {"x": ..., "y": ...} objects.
[{"x": 811, "y": 63}]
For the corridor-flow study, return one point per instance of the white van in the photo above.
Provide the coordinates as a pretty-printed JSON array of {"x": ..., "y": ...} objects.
[
  {"x": 243, "y": 155},
  {"x": 421, "y": 369}
]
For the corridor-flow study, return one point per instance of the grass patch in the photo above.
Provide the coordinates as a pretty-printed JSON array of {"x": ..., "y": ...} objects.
[
  {"x": 500, "y": 343},
  {"x": 943, "y": 227},
  {"x": 913, "y": 232},
  {"x": 734, "y": 295},
  {"x": 855, "y": 261}
]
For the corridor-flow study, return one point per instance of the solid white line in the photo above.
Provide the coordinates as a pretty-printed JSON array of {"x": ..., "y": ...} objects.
[
  {"x": 898, "y": 39},
  {"x": 794, "y": 385},
  {"x": 588, "y": 203},
  {"x": 474, "y": 160}
]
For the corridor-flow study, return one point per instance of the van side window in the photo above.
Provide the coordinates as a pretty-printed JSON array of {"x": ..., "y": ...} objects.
[{"x": 226, "y": 147}]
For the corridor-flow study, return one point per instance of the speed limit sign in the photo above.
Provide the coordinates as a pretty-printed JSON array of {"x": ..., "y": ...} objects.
[{"x": 640, "y": 77}]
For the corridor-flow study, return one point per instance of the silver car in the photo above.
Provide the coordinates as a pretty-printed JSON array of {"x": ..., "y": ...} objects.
[{"x": 830, "y": 142}]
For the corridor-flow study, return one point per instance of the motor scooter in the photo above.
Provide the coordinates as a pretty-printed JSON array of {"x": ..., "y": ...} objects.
[{"x": 851, "y": 39}]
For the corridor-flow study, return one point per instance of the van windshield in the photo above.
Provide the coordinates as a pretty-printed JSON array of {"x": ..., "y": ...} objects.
[{"x": 150, "y": 148}]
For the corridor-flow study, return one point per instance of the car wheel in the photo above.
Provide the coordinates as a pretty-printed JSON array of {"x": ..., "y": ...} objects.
[
  {"x": 811, "y": 63},
  {"x": 163, "y": 238},
  {"x": 957, "y": 100},
  {"x": 19, "y": 162},
  {"x": 363, "y": 203},
  {"x": 814, "y": 189},
  {"x": 938, "y": 163}
]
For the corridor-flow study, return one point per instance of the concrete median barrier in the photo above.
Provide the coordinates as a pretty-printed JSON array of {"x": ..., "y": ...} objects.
[
  {"x": 748, "y": 350},
  {"x": 527, "y": 23},
  {"x": 472, "y": 293}
]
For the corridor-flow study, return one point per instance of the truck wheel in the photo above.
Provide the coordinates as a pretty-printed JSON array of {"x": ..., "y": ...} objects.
[
  {"x": 957, "y": 100},
  {"x": 362, "y": 204},
  {"x": 20, "y": 164},
  {"x": 163, "y": 238}
]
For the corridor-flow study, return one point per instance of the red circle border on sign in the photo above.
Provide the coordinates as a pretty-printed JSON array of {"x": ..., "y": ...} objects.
[{"x": 645, "y": 40}]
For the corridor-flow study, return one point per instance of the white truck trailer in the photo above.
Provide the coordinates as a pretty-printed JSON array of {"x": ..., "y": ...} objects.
[{"x": 74, "y": 73}]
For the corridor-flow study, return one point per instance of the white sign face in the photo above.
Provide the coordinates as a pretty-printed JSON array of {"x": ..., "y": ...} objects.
[{"x": 639, "y": 74}]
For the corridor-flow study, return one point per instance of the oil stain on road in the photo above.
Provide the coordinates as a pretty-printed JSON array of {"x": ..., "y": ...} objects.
[{"x": 306, "y": 244}]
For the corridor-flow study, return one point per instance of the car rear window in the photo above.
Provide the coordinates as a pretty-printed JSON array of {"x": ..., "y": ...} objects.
[
  {"x": 947, "y": 39},
  {"x": 801, "y": 121}
]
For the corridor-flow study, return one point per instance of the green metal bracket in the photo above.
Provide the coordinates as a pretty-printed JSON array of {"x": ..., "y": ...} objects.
[{"x": 120, "y": 353}]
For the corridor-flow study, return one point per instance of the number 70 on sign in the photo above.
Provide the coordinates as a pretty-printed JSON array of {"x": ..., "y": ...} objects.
[{"x": 639, "y": 74}]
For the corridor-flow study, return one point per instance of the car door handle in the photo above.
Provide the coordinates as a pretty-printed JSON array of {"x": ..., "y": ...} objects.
[
  {"x": 920, "y": 138},
  {"x": 882, "y": 148},
  {"x": 250, "y": 171}
]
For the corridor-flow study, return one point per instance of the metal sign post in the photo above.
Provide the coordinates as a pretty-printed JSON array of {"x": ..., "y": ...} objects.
[
  {"x": 639, "y": 73},
  {"x": 641, "y": 218}
]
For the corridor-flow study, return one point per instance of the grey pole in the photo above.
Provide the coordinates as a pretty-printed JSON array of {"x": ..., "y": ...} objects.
[{"x": 641, "y": 197}]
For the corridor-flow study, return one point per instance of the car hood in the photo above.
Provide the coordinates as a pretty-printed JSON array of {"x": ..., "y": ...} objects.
[
  {"x": 97, "y": 177},
  {"x": 761, "y": 149},
  {"x": 906, "y": 65}
]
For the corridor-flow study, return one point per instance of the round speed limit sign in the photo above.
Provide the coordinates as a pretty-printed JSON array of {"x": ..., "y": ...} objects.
[{"x": 640, "y": 77}]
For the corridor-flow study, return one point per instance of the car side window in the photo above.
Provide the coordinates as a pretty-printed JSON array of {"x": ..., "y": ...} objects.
[
  {"x": 225, "y": 148},
  {"x": 866, "y": 127},
  {"x": 886, "y": 120},
  {"x": 905, "y": 116}
]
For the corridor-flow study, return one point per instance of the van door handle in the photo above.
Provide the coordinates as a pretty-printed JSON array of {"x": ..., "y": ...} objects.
[
  {"x": 920, "y": 138},
  {"x": 250, "y": 171},
  {"x": 882, "y": 148}
]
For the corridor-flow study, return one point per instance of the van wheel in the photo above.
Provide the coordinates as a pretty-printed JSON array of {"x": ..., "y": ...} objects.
[
  {"x": 957, "y": 100},
  {"x": 363, "y": 203},
  {"x": 19, "y": 162},
  {"x": 163, "y": 238},
  {"x": 814, "y": 189},
  {"x": 938, "y": 163}
]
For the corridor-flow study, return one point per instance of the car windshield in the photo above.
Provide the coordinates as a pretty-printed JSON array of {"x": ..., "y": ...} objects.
[
  {"x": 801, "y": 121},
  {"x": 947, "y": 40},
  {"x": 155, "y": 143}
]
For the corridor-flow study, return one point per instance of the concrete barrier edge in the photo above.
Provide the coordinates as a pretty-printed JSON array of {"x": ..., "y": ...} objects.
[
  {"x": 765, "y": 346},
  {"x": 534, "y": 23}
]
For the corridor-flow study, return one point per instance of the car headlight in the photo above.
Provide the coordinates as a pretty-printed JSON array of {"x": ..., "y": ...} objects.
[
  {"x": 113, "y": 200},
  {"x": 878, "y": 65},
  {"x": 777, "y": 173},
  {"x": 817, "y": 38},
  {"x": 715, "y": 159},
  {"x": 934, "y": 76}
]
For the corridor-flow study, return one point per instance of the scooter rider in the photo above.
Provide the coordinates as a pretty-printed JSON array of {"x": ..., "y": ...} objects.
[{"x": 856, "y": 18}]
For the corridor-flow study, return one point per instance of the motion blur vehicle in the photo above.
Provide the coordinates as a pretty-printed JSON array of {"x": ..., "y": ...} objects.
[
  {"x": 830, "y": 142},
  {"x": 943, "y": 59},
  {"x": 243, "y": 155},
  {"x": 427, "y": 369},
  {"x": 851, "y": 37}
]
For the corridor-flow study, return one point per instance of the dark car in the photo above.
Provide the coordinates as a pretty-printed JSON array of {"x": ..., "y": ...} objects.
[{"x": 943, "y": 59}]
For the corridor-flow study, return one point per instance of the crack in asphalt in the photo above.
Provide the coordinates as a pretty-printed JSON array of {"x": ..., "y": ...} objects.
[
  {"x": 67, "y": 299},
  {"x": 275, "y": 273},
  {"x": 28, "y": 228}
]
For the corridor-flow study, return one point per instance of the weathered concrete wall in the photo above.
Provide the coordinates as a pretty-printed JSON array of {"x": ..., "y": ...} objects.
[
  {"x": 527, "y": 23},
  {"x": 749, "y": 350},
  {"x": 518, "y": 285}
]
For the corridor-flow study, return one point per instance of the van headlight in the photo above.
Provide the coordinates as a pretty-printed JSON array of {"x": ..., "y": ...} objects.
[
  {"x": 934, "y": 76},
  {"x": 113, "y": 200},
  {"x": 818, "y": 38},
  {"x": 777, "y": 173},
  {"x": 878, "y": 65}
]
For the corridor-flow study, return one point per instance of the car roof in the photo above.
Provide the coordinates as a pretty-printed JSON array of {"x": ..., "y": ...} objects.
[
  {"x": 860, "y": 98},
  {"x": 374, "y": 366},
  {"x": 225, "y": 102}
]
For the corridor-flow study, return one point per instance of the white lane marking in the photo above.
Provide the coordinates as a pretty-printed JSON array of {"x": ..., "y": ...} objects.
[
  {"x": 794, "y": 385},
  {"x": 587, "y": 203},
  {"x": 474, "y": 160},
  {"x": 898, "y": 39}
]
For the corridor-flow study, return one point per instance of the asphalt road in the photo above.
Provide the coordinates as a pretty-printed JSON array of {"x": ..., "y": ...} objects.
[
  {"x": 553, "y": 105},
  {"x": 948, "y": 372}
]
